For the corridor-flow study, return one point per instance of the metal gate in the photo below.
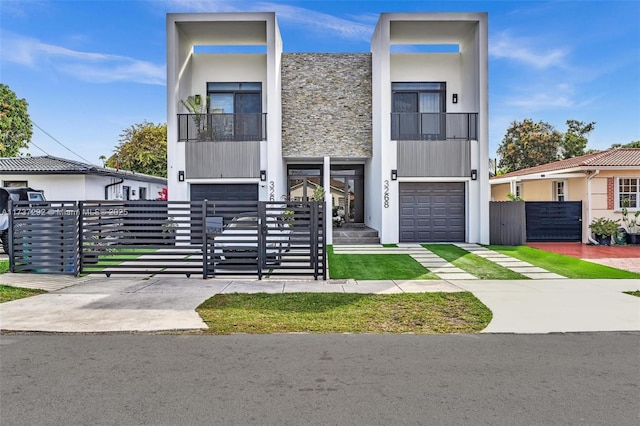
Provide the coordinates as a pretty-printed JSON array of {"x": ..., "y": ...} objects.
[
  {"x": 159, "y": 237},
  {"x": 553, "y": 220}
]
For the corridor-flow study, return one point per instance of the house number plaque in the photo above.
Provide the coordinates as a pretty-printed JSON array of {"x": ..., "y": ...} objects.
[
  {"x": 386, "y": 194},
  {"x": 272, "y": 191}
]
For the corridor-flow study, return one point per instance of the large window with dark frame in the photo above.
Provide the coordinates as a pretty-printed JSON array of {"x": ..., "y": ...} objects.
[
  {"x": 418, "y": 111},
  {"x": 235, "y": 111}
]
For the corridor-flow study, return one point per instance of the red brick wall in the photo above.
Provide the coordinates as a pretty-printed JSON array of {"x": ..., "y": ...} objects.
[{"x": 610, "y": 193}]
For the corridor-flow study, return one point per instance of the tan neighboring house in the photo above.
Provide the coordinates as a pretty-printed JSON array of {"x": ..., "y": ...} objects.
[{"x": 602, "y": 181}]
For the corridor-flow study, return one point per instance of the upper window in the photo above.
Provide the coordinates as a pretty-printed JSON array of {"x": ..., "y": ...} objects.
[
  {"x": 417, "y": 111},
  {"x": 240, "y": 108},
  {"x": 559, "y": 190},
  {"x": 628, "y": 193}
]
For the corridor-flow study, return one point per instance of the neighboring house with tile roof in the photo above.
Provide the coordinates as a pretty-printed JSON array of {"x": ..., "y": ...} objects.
[
  {"x": 63, "y": 179},
  {"x": 602, "y": 181}
]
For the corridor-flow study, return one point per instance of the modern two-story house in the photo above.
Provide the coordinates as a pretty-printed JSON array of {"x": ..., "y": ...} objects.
[{"x": 397, "y": 137}]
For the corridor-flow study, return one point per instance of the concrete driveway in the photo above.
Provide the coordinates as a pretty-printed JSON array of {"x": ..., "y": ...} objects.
[{"x": 149, "y": 304}]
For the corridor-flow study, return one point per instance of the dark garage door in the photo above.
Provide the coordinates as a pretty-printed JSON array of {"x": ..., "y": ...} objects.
[
  {"x": 553, "y": 220},
  {"x": 224, "y": 192},
  {"x": 432, "y": 212}
]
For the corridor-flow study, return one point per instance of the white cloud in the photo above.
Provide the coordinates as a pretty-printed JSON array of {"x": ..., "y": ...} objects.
[
  {"x": 542, "y": 97},
  {"x": 310, "y": 19},
  {"x": 505, "y": 46},
  {"x": 86, "y": 66}
]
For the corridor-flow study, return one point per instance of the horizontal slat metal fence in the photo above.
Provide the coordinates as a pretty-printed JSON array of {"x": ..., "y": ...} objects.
[
  {"x": 43, "y": 237},
  {"x": 159, "y": 237},
  {"x": 283, "y": 238}
]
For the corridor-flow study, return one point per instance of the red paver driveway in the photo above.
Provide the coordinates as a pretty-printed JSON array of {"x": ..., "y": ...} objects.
[{"x": 621, "y": 257}]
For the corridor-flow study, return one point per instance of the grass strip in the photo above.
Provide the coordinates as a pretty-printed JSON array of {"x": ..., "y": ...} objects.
[
  {"x": 420, "y": 313},
  {"x": 8, "y": 293},
  {"x": 376, "y": 267},
  {"x": 472, "y": 263},
  {"x": 4, "y": 266},
  {"x": 567, "y": 266}
]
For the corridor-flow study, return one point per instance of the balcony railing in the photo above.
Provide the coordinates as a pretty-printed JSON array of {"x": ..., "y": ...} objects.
[
  {"x": 222, "y": 127},
  {"x": 412, "y": 126}
]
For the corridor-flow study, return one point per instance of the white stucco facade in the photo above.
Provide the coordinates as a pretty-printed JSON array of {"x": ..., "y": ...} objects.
[
  {"x": 464, "y": 72},
  {"x": 72, "y": 187}
]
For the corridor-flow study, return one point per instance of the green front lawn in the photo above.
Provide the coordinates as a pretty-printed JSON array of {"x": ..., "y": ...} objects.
[
  {"x": 472, "y": 263},
  {"x": 8, "y": 293},
  {"x": 420, "y": 313},
  {"x": 567, "y": 266},
  {"x": 376, "y": 267},
  {"x": 4, "y": 266}
]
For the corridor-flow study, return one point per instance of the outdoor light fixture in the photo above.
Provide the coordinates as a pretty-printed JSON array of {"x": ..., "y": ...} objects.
[
  {"x": 394, "y": 174},
  {"x": 455, "y": 98},
  {"x": 181, "y": 176},
  {"x": 197, "y": 99},
  {"x": 474, "y": 174},
  {"x": 263, "y": 175}
]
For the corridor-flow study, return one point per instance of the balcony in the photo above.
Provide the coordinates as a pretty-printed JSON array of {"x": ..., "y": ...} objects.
[
  {"x": 418, "y": 126},
  {"x": 222, "y": 127}
]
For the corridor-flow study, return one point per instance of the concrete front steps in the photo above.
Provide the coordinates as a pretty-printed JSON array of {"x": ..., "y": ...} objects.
[{"x": 355, "y": 235}]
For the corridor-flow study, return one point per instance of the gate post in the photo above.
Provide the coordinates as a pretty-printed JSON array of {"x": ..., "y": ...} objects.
[
  {"x": 261, "y": 234},
  {"x": 10, "y": 236},
  {"x": 77, "y": 261},
  {"x": 205, "y": 243},
  {"x": 314, "y": 237}
]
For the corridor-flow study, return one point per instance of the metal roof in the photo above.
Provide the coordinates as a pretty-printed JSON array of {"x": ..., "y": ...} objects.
[{"x": 54, "y": 165}]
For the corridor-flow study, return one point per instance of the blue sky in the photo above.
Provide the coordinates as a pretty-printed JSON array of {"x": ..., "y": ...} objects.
[{"x": 90, "y": 69}]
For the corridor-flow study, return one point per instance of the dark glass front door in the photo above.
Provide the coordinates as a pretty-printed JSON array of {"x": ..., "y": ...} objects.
[{"x": 347, "y": 193}]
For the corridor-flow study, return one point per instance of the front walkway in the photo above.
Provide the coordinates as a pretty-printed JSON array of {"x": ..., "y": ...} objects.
[{"x": 445, "y": 270}]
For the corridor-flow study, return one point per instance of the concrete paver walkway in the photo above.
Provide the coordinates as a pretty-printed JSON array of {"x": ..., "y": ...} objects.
[
  {"x": 445, "y": 270},
  {"x": 516, "y": 265}
]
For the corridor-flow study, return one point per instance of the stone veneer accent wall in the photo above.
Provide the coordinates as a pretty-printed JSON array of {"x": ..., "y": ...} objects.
[{"x": 326, "y": 105}]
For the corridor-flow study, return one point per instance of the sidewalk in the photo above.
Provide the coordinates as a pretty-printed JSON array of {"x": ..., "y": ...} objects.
[{"x": 139, "y": 303}]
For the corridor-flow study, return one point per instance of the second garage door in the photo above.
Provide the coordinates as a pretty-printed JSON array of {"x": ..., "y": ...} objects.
[{"x": 432, "y": 212}]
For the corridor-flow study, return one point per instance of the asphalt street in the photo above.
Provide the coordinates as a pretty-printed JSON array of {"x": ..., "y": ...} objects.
[{"x": 496, "y": 379}]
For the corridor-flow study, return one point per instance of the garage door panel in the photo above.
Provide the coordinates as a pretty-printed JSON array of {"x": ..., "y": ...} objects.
[
  {"x": 224, "y": 192},
  {"x": 432, "y": 212}
]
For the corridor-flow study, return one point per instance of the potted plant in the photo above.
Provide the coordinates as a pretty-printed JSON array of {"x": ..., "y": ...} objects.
[
  {"x": 603, "y": 228},
  {"x": 632, "y": 225}
]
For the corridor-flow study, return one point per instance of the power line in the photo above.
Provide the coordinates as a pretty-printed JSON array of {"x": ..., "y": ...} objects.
[
  {"x": 59, "y": 143},
  {"x": 32, "y": 143}
]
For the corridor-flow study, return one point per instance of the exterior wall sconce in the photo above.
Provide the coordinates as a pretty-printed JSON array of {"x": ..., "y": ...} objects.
[
  {"x": 455, "y": 98},
  {"x": 181, "y": 176},
  {"x": 263, "y": 175},
  {"x": 474, "y": 174},
  {"x": 394, "y": 174},
  {"x": 197, "y": 99}
]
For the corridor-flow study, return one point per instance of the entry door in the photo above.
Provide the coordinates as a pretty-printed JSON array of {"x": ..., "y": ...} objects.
[{"x": 347, "y": 193}]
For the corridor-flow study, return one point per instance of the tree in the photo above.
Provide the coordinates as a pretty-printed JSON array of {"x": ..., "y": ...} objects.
[
  {"x": 634, "y": 144},
  {"x": 528, "y": 144},
  {"x": 15, "y": 125},
  {"x": 574, "y": 141},
  {"x": 142, "y": 149}
]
